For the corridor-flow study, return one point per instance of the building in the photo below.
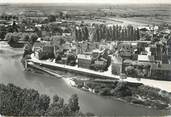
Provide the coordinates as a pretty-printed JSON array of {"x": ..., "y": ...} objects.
[
  {"x": 84, "y": 61},
  {"x": 145, "y": 58},
  {"x": 43, "y": 50},
  {"x": 117, "y": 65},
  {"x": 125, "y": 50}
]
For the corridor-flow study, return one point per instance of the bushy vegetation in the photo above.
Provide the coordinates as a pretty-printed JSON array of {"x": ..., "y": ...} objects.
[
  {"x": 14, "y": 38},
  {"x": 131, "y": 92},
  {"x": 121, "y": 90},
  {"x": 15, "y": 101},
  {"x": 137, "y": 70}
]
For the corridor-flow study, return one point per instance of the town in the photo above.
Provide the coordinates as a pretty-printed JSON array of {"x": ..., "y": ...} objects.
[
  {"x": 108, "y": 51},
  {"x": 142, "y": 51}
]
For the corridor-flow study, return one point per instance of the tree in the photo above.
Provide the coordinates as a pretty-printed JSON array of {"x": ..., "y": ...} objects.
[
  {"x": 61, "y": 15},
  {"x": 73, "y": 103},
  {"x": 2, "y": 32},
  {"x": 25, "y": 37},
  {"x": 130, "y": 70},
  {"x": 76, "y": 35},
  {"x": 86, "y": 34},
  {"x": 44, "y": 103},
  {"x": 56, "y": 108},
  {"x": 52, "y": 18},
  {"x": 29, "y": 45},
  {"x": 15, "y": 101},
  {"x": 38, "y": 31},
  {"x": 12, "y": 38},
  {"x": 33, "y": 38},
  {"x": 8, "y": 37},
  {"x": 55, "y": 98},
  {"x": 122, "y": 90}
]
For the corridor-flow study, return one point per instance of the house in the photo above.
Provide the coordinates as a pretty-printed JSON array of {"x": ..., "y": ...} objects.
[
  {"x": 145, "y": 58},
  {"x": 84, "y": 61},
  {"x": 29, "y": 30},
  {"x": 166, "y": 31},
  {"x": 43, "y": 50},
  {"x": 161, "y": 51},
  {"x": 146, "y": 55},
  {"x": 125, "y": 50},
  {"x": 117, "y": 65},
  {"x": 148, "y": 28},
  {"x": 37, "y": 46}
]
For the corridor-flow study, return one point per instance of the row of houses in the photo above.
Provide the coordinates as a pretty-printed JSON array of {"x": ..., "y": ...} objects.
[{"x": 156, "y": 56}]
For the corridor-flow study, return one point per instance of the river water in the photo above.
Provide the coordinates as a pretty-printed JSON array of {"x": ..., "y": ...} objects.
[{"x": 11, "y": 71}]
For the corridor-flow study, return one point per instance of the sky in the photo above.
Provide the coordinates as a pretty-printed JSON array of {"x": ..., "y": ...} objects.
[{"x": 89, "y": 1}]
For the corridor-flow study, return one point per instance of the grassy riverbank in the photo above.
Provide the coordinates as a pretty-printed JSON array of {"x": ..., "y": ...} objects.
[{"x": 135, "y": 93}]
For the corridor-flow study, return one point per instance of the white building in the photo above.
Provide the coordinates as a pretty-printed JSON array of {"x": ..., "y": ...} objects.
[{"x": 145, "y": 58}]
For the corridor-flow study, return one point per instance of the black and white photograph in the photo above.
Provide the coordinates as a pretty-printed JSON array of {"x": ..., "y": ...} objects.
[{"x": 85, "y": 58}]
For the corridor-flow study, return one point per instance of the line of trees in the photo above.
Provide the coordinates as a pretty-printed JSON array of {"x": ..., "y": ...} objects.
[
  {"x": 102, "y": 32},
  {"x": 8, "y": 17},
  {"x": 81, "y": 33},
  {"x": 28, "y": 102},
  {"x": 2, "y": 32},
  {"x": 14, "y": 38},
  {"x": 7, "y": 29}
]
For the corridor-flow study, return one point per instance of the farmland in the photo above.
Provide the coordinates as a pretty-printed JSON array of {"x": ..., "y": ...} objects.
[{"x": 145, "y": 14}]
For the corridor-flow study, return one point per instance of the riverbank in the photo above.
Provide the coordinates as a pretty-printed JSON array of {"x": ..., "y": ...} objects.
[
  {"x": 6, "y": 50},
  {"x": 130, "y": 92},
  {"x": 134, "y": 93},
  {"x": 163, "y": 85}
]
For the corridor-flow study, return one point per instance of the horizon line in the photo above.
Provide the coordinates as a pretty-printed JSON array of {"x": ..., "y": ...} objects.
[
  {"x": 8, "y": 3},
  {"x": 85, "y": 3}
]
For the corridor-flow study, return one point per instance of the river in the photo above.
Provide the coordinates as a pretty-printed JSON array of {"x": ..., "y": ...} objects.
[{"x": 11, "y": 71}]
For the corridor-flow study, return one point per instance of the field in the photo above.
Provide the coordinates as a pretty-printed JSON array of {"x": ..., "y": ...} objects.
[{"x": 145, "y": 14}]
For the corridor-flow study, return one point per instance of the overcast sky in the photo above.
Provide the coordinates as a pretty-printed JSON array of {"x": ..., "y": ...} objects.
[{"x": 87, "y": 1}]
